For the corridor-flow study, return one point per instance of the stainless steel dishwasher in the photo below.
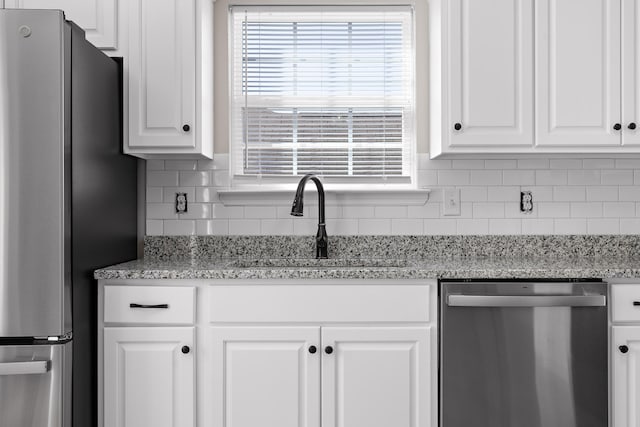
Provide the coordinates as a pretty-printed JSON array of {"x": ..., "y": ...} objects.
[{"x": 523, "y": 354}]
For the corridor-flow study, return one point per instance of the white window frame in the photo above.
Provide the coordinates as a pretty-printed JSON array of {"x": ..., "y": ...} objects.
[{"x": 358, "y": 183}]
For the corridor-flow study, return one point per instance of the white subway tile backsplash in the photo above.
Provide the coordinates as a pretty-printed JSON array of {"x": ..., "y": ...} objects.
[
  {"x": 603, "y": 226},
  {"x": 468, "y": 164},
  {"x": 570, "y": 226},
  {"x": 619, "y": 209},
  {"x": 486, "y": 177},
  {"x": 407, "y": 227},
  {"x": 453, "y": 177},
  {"x": 586, "y": 209},
  {"x": 537, "y": 226},
  {"x": 617, "y": 177},
  {"x": 473, "y": 194},
  {"x": 180, "y": 165},
  {"x": 154, "y": 194},
  {"x": 268, "y": 212},
  {"x": 277, "y": 227},
  {"x": 249, "y": 227},
  {"x": 505, "y": 193},
  {"x": 155, "y": 227},
  {"x": 500, "y": 164},
  {"x": 435, "y": 227},
  {"x": 488, "y": 210},
  {"x": 154, "y": 165},
  {"x": 195, "y": 179},
  {"x": 602, "y": 194},
  {"x": 179, "y": 227},
  {"x": 571, "y": 196},
  {"x": 519, "y": 177},
  {"x": 505, "y": 226},
  {"x": 533, "y": 164},
  {"x": 391, "y": 211},
  {"x": 584, "y": 177},
  {"x": 629, "y": 194},
  {"x": 218, "y": 210},
  {"x": 551, "y": 177},
  {"x": 592, "y": 164},
  {"x": 212, "y": 227},
  {"x": 565, "y": 163},
  {"x": 473, "y": 226},
  {"x": 157, "y": 178},
  {"x": 374, "y": 226}
]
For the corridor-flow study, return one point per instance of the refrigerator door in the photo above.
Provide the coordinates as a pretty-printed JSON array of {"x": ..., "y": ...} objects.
[
  {"x": 35, "y": 385},
  {"x": 34, "y": 174}
]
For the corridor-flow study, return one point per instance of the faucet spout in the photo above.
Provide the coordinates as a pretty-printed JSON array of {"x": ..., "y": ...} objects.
[{"x": 297, "y": 208}]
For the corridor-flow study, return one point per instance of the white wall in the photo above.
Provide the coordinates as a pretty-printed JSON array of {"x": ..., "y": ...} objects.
[{"x": 571, "y": 196}]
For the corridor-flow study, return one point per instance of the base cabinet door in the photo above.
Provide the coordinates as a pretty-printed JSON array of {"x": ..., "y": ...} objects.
[
  {"x": 625, "y": 361},
  {"x": 149, "y": 377},
  {"x": 376, "y": 377},
  {"x": 265, "y": 376}
]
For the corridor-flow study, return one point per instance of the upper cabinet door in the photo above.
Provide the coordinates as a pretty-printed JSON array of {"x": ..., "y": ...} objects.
[
  {"x": 377, "y": 377},
  {"x": 491, "y": 72},
  {"x": 578, "y": 73},
  {"x": 162, "y": 69},
  {"x": 97, "y": 17},
  {"x": 630, "y": 72}
]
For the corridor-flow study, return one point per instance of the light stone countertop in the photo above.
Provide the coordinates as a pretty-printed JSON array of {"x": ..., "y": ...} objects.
[{"x": 426, "y": 268}]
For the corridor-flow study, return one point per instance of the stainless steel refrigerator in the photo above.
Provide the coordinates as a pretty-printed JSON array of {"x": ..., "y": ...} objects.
[{"x": 67, "y": 206}]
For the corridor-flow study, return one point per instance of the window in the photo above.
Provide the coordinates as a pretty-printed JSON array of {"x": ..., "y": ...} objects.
[{"x": 326, "y": 90}]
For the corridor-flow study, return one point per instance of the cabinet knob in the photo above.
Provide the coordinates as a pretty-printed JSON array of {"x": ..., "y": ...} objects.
[
  {"x": 632, "y": 126},
  {"x": 328, "y": 349},
  {"x": 185, "y": 349},
  {"x": 617, "y": 126},
  {"x": 623, "y": 349},
  {"x": 457, "y": 126},
  {"x": 186, "y": 128},
  {"x": 312, "y": 349}
]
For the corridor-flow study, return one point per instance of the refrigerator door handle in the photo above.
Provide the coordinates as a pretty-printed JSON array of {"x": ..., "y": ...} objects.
[{"x": 22, "y": 368}]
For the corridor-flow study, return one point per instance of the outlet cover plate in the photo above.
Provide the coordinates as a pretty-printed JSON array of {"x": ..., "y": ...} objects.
[{"x": 451, "y": 202}]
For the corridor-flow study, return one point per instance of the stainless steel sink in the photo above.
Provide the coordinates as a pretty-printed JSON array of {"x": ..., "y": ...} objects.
[{"x": 319, "y": 263}]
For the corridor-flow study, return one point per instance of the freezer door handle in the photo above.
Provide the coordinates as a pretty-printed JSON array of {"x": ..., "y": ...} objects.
[
  {"x": 526, "y": 301},
  {"x": 22, "y": 368}
]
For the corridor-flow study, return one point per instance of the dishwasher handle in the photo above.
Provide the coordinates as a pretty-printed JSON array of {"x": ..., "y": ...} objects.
[{"x": 456, "y": 300}]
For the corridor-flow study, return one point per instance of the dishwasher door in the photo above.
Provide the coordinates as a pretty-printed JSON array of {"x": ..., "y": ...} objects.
[{"x": 523, "y": 354}]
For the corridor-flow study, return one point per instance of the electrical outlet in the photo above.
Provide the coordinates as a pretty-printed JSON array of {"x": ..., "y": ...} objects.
[
  {"x": 451, "y": 202},
  {"x": 181, "y": 202},
  {"x": 526, "y": 202}
]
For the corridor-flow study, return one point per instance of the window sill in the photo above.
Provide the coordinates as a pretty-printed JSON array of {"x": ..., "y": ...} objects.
[{"x": 333, "y": 196}]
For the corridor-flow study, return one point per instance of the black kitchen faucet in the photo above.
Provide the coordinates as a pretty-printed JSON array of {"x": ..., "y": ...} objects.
[{"x": 296, "y": 210}]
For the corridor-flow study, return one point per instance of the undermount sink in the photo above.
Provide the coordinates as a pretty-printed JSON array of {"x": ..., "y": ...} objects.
[{"x": 310, "y": 262}]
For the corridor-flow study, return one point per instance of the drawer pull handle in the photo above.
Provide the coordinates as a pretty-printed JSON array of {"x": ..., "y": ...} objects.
[
  {"x": 636, "y": 303},
  {"x": 134, "y": 305}
]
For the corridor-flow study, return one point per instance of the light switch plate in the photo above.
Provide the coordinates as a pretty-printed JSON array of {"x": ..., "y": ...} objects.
[{"x": 451, "y": 202}]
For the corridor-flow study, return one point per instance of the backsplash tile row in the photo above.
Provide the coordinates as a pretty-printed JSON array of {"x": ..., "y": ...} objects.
[{"x": 571, "y": 196}]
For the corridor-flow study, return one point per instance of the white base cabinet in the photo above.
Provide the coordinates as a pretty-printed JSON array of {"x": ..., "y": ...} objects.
[
  {"x": 272, "y": 353},
  {"x": 150, "y": 379}
]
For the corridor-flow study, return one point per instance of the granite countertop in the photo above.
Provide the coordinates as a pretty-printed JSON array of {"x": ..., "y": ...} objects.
[{"x": 377, "y": 268}]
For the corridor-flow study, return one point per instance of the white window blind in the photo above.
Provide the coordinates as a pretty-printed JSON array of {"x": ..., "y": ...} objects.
[{"x": 326, "y": 90}]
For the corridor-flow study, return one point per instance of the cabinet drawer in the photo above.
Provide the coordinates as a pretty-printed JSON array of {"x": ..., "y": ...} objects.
[
  {"x": 625, "y": 303},
  {"x": 149, "y": 305},
  {"x": 319, "y": 303}
]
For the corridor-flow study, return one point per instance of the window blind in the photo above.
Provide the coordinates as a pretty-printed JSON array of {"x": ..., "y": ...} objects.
[{"x": 325, "y": 90}]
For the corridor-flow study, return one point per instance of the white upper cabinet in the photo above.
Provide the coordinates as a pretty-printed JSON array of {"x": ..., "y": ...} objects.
[
  {"x": 97, "y": 17},
  {"x": 582, "y": 77},
  {"x": 490, "y": 64},
  {"x": 630, "y": 72},
  {"x": 578, "y": 72},
  {"x": 170, "y": 80}
]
